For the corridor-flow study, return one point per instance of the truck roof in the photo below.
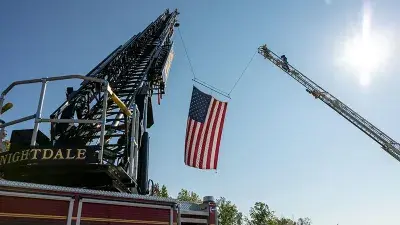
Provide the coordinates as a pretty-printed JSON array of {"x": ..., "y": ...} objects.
[{"x": 185, "y": 206}]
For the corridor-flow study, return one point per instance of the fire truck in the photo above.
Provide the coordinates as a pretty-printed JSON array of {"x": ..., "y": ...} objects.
[
  {"x": 91, "y": 167},
  {"x": 37, "y": 204}
]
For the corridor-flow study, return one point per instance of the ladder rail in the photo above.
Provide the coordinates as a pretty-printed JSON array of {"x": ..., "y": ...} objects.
[
  {"x": 111, "y": 59},
  {"x": 128, "y": 65},
  {"x": 387, "y": 143}
]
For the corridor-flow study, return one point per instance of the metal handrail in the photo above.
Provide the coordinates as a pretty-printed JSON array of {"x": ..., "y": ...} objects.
[{"x": 38, "y": 115}]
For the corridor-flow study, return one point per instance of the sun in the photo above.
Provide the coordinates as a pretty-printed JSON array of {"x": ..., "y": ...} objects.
[
  {"x": 364, "y": 55},
  {"x": 365, "y": 52}
]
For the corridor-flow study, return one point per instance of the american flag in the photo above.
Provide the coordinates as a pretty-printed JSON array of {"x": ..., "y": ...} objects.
[{"x": 204, "y": 130}]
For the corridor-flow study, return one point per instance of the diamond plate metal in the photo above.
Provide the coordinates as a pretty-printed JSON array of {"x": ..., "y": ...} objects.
[{"x": 185, "y": 206}]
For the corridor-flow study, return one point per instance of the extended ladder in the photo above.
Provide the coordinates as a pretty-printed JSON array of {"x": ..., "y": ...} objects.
[{"x": 387, "y": 143}]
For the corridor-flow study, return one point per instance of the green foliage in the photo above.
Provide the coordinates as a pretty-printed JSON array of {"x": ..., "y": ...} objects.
[
  {"x": 164, "y": 192},
  {"x": 229, "y": 214},
  {"x": 285, "y": 221},
  {"x": 304, "y": 221},
  {"x": 188, "y": 196},
  {"x": 239, "y": 218},
  {"x": 260, "y": 214}
]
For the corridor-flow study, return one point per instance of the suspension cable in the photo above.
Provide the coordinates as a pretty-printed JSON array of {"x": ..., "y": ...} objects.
[
  {"x": 241, "y": 75},
  {"x": 195, "y": 79}
]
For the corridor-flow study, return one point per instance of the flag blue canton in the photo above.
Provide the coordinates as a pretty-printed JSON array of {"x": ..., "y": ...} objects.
[{"x": 199, "y": 105}]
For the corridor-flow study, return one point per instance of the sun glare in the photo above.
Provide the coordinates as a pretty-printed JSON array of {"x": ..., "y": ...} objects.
[{"x": 365, "y": 52}]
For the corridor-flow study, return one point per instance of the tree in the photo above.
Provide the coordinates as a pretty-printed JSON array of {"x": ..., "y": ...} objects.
[
  {"x": 260, "y": 214},
  {"x": 240, "y": 218},
  {"x": 285, "y": 221},
  {"x": 228, "y": 214},
  {"x": 164, "y": 192},
  {"x": 188, "y": 196},
  {"x": 304, "y": 221}
]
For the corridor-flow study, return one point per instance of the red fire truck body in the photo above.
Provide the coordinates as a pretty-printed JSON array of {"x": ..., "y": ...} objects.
[{"x": 36, "y": 204}]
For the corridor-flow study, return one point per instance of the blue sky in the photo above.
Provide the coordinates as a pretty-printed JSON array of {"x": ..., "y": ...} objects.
[{"x": 279, "y": 145}]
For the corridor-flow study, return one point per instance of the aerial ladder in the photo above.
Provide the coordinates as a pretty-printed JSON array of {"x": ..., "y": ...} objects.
[
  {"x": 98, "y": 136},
  {"x": 387, "y": 143}
]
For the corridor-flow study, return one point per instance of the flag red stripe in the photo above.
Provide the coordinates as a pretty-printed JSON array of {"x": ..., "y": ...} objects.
[
  {"x": 191, "y": 134},
  {"x": 193, "y": 141},
  {"x": 204, "y": 150},
  {"x": 197, "y": 144},
  {"x": 186, "y": 139},
  {"x": 221, "y": 126},
  {"x": 211, "y": 146},
  {"x": 191, "y": 127}
]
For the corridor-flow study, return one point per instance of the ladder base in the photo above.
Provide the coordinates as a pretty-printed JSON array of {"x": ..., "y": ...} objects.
[{"x": 89, "y": 176}]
